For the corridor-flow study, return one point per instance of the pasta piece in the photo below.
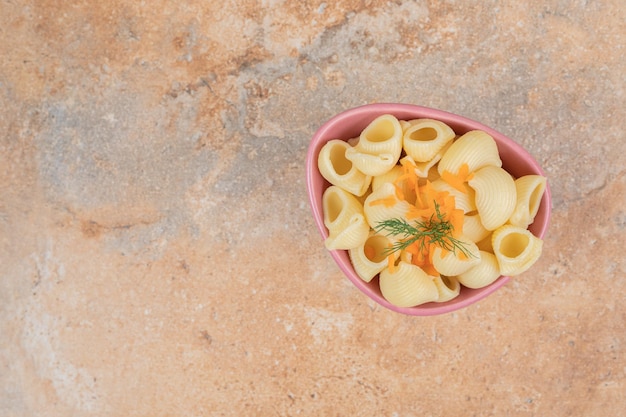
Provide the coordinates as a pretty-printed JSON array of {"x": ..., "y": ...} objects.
[
  {"x": 407, "y": 286},
  {"x": 339, "y": 171},
  {"x": 448, "y": 288},
  {"x": 344, "y": 218},
  {"x": 371, "y": 257},
  {"x": 475, "y": 148},
  {"x": 455, "y": 263},
  {"x": 384, "y": 204},
  {"x": 428, "y": 169},
  {"x": 371, "y": 164},
  {"x": 530, "y": 189},
  {"x": 495, "y": 196},
  {"x": 353, "y": 141},
  {"x": 462, "y": 201},
  {"x": 379, "y": 146},
  {"x": 388, "y": 177},
  {"x": 382, "y": 135},
  {"x": 405, "y": 124},
  {"x": 473, "y": 229},
  {"x": 516, "y": 249},
  {"x": 481, "y": 274},
  {"x": 424, "y": 138}
]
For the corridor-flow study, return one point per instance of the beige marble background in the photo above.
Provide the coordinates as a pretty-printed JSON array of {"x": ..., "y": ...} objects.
[{"x": 157, "y": 252}]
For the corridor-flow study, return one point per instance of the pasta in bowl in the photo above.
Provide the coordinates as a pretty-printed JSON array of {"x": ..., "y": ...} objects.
[{"x": 425, "y": 211}]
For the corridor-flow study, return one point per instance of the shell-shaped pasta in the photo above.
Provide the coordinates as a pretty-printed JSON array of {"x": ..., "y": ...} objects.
[
  {"x": 455, "y": 263},
  {"x": 351, "y": 236},
  {"x": 530, "y": 189},
  {"x": 340, "y": 171},
  {"x": 475, "y": 148},
  {"x": 383, "y": 204},
  {"x": 462, "y": 201},
  {"x": 428, "y": 169},
  {"x": 481, "y": 274},
  {"x": 473, "y": 229},
  {"x": 344, "y": 218},
  {"x": 424, "y": 138},
  {"x": 516, "y": 249},
  {"x": 371, "y": 257},
  {"x": 496, "y": 195},
  {"x": 371, "y": 164},
  {"x": 382, "y": 136},
  {"x": 388, "y": 177},
  {"x": 379, "y": 146},
  {"x": 448, "y": 288},
  {"x": 407, "y": 286}
]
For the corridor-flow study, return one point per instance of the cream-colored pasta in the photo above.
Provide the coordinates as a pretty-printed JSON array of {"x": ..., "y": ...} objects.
[
  {"x": 530, "y": 189},
  {"x": 388, "y": 177},
  {"x": 455, "y": 262},
  {"x": 340, "y": 171},
  {"x": 407, "y": 286},
  {"x": 428, "y": 169},
  {"x": 405, "y": 124},
  {"x": 476, "y": 148},
  {"x": 448, "y": 288},
  {"x": 379, "y": 146},
  {"x": 462, "y": 201},
  {"x": 371, "y": 257},
  {"x": 344, "y": 219},
  {"x": 496, "y": 195},
  {"x": 371, "y": 164},
  {"x": 516, "y": 249},
  {"x": 384, "y": 204},
  {"x": 483, "y": 273},
  {"x": 424, "y": 138},
  {"x": 473, "y": 229}
]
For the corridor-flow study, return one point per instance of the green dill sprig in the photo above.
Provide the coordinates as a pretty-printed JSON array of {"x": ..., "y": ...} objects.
[{"x": 437, "y": 229}]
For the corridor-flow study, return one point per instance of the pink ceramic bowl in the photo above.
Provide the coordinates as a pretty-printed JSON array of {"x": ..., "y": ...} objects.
[{"x": 349, "y": 124}]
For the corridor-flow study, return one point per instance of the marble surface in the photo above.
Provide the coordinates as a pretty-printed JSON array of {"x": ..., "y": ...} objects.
[{"x": 158, "y": 255}]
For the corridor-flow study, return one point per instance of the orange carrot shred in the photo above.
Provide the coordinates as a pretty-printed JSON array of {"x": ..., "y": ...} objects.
[{"x": 459, "y": 180}]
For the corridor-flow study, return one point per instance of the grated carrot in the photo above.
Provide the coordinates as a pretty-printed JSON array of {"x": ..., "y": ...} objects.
[{"x": 459, "y": 180}]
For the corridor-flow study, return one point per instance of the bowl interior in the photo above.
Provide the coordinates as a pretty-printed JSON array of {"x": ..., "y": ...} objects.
[{"x": 349, "y": 124}]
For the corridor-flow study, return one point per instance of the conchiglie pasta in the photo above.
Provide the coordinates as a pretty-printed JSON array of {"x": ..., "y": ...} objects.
[
  {"x": 384, "y": 204},
  {"x": 496, "y": 195},
  {"x": 516, "y": 249},
  {"x": 483, "y": 273},
  {"x": 340, "y": 171},
  {"x": 456, "y": 262},
  {"x": 448, "y": 288},
  {"x": 407, "y": 286},
  {"x": 371, "y": 257},
  {"x": 344, "y": 218},
  {"x": 388, "y": 177},
  {"x": 476, "y": 148},
  {"x": 379, "y": 146},
  {"x": 428, "y": 169},
  {"x": 530, "y": 189},
  {"x": 424, "y": 138},
  {"x": 371, "y": 164},
  {"x": 473, "y": 229}
]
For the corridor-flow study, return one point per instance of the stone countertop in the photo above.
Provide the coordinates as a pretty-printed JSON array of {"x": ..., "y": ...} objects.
[{"x": 158, "y": 254}]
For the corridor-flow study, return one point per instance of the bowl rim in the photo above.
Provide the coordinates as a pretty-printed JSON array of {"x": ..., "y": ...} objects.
[{"x": 365, "y": 114}]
